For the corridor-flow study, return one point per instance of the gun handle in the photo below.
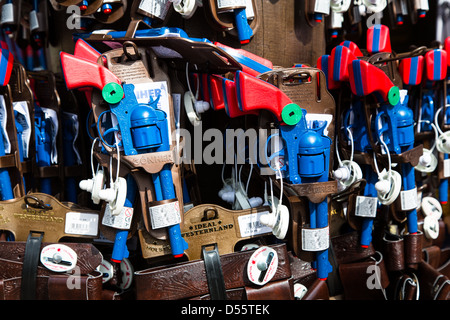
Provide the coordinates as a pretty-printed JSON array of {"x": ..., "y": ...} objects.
[
  {"x": 85, "y": 51},
  {"x": 81, "y": 73},
  {"x": 411, "y": 70},
  {"x": 340, "y": 58},
  {"x": 323, "y": 63},
  {"x": 6, "y": 65},
  {"x": 366, "y": 79},
  {"x": 436, "y": 65},
  {"x": 378, "y": 39},
  {"x": 216, "y": 92},
  {"x": 232, "y": 103},
  {"x": 353, "y": 48},
  {"x": 254, "y": 94}
]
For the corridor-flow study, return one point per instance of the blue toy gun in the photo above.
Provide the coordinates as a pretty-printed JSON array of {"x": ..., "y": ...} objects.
[
  {"x": 396, "y": 132},
  {"x": 120, "y": 250},
  {"x": 6, "y": 191},
  {"x": 143, "y": 128},
  {"x": 69, "y": 137},
  {"x": 436, "y": 70},
  {"x": 43, "y": 129},
  {"x": 308, "y": 152}
]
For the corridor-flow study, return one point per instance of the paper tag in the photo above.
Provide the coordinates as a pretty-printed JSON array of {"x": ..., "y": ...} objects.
[
  {"x": 51, "y": 114},
  {"x": 120, "y": 221},
  {"x": 224, "y": 4},
  {"x": 156, "y": 8},
  {"x": 315, "y": 239},
  {"x": 250, "y": 225},
  {"x": 149, "y": 91},
  {"x": 187, "y": 206},
  {"x": 409, "y": 199},
  {"x": 23, "y": 118},
  {"x": 249, "y": 11},
  {"x": 165, "y": 215},
  {"x": 7, "y": 13},
  {"x": 446, "y": 168},
  {"x": 321, "y": 118},
  {"x": 3, "y": 121},
  {"x": 366, "y": 207},
  {"x": 322, "y": 6},
  {"x": 80, "y": 223}
]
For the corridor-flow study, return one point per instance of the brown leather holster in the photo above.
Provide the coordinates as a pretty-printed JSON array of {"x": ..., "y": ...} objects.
[
  {"x": 362, "y": 271},
  {"x": 188, "y": 280},
  {"x": 82, "y": 283}
]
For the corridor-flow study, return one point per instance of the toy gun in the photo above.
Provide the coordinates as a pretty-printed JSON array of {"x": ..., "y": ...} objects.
[
  {"x": 6, "y": 191},
  {"x": 143, "y": 128},
  {"x": 307, "y": 149},
  {"x": 378, "y": 39},
  {"x": 69, "y": 137},
  {"x": 120, "y": 250},
  {"x": 43, "y": 127},
  {"x": 396, "y": 133}
]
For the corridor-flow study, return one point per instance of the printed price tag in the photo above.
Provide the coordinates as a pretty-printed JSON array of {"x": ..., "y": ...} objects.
[
  {"x": 446, "y": 168},
  {"x": 156, "y": 8},
  {"x": 34, "y": 22},
  {"x": 315, "y": 239},
  {"x": 165, "y": 215},
  {"x": 409, "y": 199},
  {"x": 225, "y": 4},
  {"x": 250, "y": 224},
  {"x": 366, "y": 207},
  {"x": 80, "y": 223},
  {"x": 120, "y": 221},
  {"x": 7, "y": 13}
]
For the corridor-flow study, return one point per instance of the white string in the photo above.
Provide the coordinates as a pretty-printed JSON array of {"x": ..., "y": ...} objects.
[
  {"x": 110, "y": 166},
  {"x": 436, "y": 121},
  {"x": 435, "y": 132},
  {"x": 188, "y": 82},
  {"x": 92, "y": 156}
]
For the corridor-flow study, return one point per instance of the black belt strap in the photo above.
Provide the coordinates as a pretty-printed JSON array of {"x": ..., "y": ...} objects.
[
  {"x": 214, "y": 274},
  {"x": 30, "y": 264}
]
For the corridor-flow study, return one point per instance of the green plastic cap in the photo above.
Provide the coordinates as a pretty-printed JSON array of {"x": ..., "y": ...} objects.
[
  {"x": 112, "y": 93},
  {"x": 394, "y": 95},
  {"x": 291, "y": 114}
]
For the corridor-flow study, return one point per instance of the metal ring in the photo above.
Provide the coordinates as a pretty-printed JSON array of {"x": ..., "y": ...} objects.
[
  {"x": 136, "y": 56},
  {"x": 38, "y": 204}
]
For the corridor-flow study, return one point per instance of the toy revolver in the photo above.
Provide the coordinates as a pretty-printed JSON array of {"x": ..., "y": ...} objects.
[
  {"x": 396, "y": 132},
  {"x": 307, "y": 148},
  {"x": 143, "y": 128}
]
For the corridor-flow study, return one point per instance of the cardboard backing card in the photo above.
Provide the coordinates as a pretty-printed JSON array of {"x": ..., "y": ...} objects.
[
  {"x": 208, "y": 224},
  {"x": 44, "y": 213}
]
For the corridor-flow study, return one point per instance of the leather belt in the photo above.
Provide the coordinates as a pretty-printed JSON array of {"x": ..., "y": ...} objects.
[
  {"x": 23, "y": 277},
  {"x": 214, "y": 275},
  {"x": 30, "y": 264}
]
